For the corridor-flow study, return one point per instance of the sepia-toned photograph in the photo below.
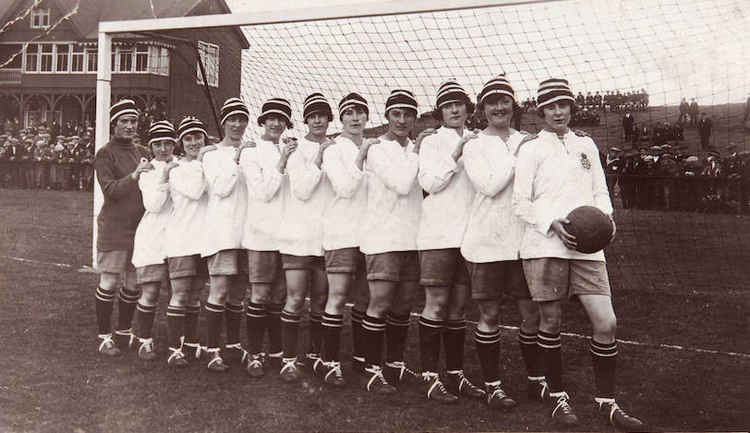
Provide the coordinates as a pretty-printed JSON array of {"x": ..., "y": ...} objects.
[{"x": 374, "y": 216}]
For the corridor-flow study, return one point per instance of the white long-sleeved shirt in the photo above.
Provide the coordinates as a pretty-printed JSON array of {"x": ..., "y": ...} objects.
[
  {"x": 494, "y": 231},
  {"x": 187, "y": 222},
  {"x": 394, "y": 198},
  {"x": 553, "y": 177},
  {"x": 227, "y": 201},
  {"x": 309, "y": 192},
  {"x": 266, "y": 189},
  {"x": 446, "y": 210},
  {"x": 149, "y": 247},
  {"x": 342, "y": 217}
]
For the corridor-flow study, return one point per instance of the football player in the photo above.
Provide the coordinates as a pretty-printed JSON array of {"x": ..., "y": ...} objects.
[{"x": 557, "y": 172}]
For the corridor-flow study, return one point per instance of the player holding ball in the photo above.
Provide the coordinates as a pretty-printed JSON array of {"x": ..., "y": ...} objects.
[{"x": 558, "y": 171}]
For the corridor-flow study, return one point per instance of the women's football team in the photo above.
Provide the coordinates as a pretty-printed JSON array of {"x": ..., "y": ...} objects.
[{"x": 269, "y": 223}]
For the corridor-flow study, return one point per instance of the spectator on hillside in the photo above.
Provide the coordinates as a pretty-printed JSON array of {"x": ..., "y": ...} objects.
[
  {"x": 693, "y": 112},
  {"x": 628, "y": 122},
  {"x": 704, "y": 130},
  {"x": 684, "y": 109}
]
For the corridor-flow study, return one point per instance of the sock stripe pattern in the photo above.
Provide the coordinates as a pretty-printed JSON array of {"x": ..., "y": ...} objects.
[
  {"x": 549, "y": 341},
  {"x": 176, "y": 311},
  {"x": 455, "y": 325},
  {"x": 398, "y": 320},
  {"x": 275, "y": 309},
  {"x": 193, "y": 309},
  {"x": 146, "y": 308},
  {"x": 234, "y": 308},
  {"x": 438, "y": 324},
  {"x": 128, "y": 296},
  {"x": 333, "y": 320},
  {"x": 316, "y": 317},
  {"x": 257, "y": 311},
  {"x": 105, "y": 295},
  {"x": 214, "y": 308},
  {"x": 524, "y": 338},
  {"x": 606, "y": 350},
  {"x": 373, "y": 324},
  {"x": 290, "y": 317},
  {"x": 487, "y": 337},
  {"x": 357, "y": 316}
]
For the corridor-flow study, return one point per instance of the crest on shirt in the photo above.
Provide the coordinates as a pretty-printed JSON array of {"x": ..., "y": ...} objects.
[{"x": 585, "y": 162}]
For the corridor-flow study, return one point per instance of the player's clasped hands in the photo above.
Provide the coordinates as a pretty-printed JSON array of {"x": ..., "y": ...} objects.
[
  {"x": 142, "y": 167},
  {"x": 558, "y": 226}
]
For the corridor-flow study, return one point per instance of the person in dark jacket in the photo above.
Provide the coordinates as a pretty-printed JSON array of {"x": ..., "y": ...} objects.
[
  {"x": 704, "y": 130},
  {"x": 118, "y": 166}
]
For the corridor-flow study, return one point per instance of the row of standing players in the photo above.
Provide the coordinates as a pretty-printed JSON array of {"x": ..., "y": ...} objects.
[{"x": 491, "y": 226}]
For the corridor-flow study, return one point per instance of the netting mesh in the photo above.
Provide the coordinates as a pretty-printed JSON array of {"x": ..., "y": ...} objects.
[{"x": 670, "y": 48}]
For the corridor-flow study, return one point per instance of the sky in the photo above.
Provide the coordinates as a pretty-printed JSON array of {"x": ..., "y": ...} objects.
[{"x": 671, "y": 48}]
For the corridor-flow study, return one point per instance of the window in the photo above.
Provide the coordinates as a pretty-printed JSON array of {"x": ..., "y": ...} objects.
[
  {"x": 153, "y": 60},
  {"x": 40, "y": 18},
  {"x": 63, "y": 53},
  {"x": 46, "y": 58},
  {"x": 164, "y": 61},
  {"x": 126, "y": 59},
  {"x": 210, "y": 57},
  {"x": 32, "y": 56},
  {"x": 76, "y": 61},
  {"x": 114, "y": 59},
  {"x": 91, "y": 59},
  {"x": 141, "y": 58}
]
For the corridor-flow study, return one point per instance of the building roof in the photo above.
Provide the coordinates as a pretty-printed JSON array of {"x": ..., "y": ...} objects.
[{"x": 90, "y": 12}]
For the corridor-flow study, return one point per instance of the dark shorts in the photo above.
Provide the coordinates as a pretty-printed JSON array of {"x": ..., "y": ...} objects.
[
  {"x": 264, "y": 266},
  {"x": 552, "y": 279},
  {"x": 187, "y": 266},
  {"x": 306, "y": 263},
  {"x": 151, "y": 273},
  {"x": 443, "y": 267},
  {"x": 114, "y": 262},
  {"x": 495, "y": 280},
  {"x": 393, "y": 266},
  {"x": 344, "y": 261},
  {"x": 227, "y": 262}
]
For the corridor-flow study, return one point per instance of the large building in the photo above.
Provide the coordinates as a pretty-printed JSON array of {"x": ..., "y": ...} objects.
[{"x": 48, "y": 50}]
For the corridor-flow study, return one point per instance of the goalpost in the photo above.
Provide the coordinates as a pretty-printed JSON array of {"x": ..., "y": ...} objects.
[{"x": 663, "y": 50}]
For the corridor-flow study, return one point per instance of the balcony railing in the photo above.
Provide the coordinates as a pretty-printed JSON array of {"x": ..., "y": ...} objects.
[{"x": 10, "y": 76}]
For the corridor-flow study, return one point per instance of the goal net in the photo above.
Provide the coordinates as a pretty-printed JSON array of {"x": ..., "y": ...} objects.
[{"x": 642, "y": 56}]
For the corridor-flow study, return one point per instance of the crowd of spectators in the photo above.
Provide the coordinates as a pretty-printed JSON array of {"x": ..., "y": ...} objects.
[
  {"x": 46, "y": 156},
  {"x": 667, "y": 177}
]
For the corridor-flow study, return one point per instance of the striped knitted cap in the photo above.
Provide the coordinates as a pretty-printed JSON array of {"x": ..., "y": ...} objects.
[
  {"x": 316, "y": 103},
  {"x": 353, "y": 100},
  {"x": 122, "y": 107},
  {"x": 496, "y": 86},
  {"x": 400, "y": 98},
  {"x": 279, "y": 106},
  {"x": 233, "y": 106},
  {"x": 553, "y": 90},
  {"x": 450, "y": 91},
  {"x": 190, "y": 125},
  {"x": 161, "y": 130}
]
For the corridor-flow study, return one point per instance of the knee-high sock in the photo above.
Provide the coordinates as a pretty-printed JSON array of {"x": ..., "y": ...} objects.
[
  {"x": 454, "y": 336},
  {"x": 256, "y": 316},
  {"x": 145, "y": 319},
  {"x": 530, "y": 352},
  {"x": 396, "y": 331},
  {"x": 550, "y": 350},
  {"x": 273, "y": 324},
  {"x": 430, "y": 332},
  {"x": 604, "y": 358},
  {"x": 126, "y": 308},
  {"x": 488, "y": 351},
  {"x": 191, "y": 323},
  {"x": 105, "y": 300},
  {"x": 290, "y": 333},
  {"x": 373, "y": 331},
  {"x": 316, "y": 333},
  {"x": 214, "y": 314},
  {"x": 332, "y": 325},
  {"x": 175, "y": 325},
  {"x": 357, "y": 347},
  {"x": 233, "y": 322}
]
